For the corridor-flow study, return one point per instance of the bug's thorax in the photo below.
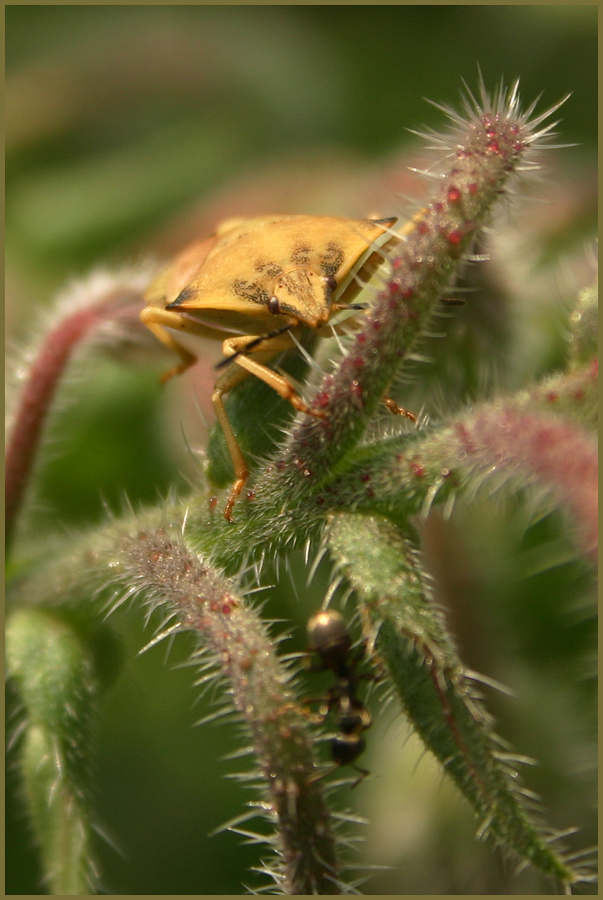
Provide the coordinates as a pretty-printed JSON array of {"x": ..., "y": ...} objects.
[{"x": 302, "y": 261}]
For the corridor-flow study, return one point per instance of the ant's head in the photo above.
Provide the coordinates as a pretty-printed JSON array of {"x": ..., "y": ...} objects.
[{"x": 328, "y": 636}]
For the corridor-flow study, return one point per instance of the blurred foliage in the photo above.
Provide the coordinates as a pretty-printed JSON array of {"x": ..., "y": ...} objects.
[{"x": 128, "y": 128}]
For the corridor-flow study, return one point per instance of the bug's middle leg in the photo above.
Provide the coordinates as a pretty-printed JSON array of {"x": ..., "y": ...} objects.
[
  {"x": 235, "y": 374},
  {"x": 223, "y": 385}
]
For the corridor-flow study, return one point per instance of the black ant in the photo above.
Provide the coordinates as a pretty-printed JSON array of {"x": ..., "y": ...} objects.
[{"x": 328, "y": 636}]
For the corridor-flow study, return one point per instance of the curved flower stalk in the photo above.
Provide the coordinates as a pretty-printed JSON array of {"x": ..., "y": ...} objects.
[
  {"x": 148, "y": 559},
  {"x": 97, "y": 310},
  {"x": 516, "y": 441},
  {"x": 339, "y": 472},
  {"x": 52, "y": 665}
]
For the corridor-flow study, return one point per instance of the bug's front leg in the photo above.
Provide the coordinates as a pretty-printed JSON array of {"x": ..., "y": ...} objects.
[
  {"x": 243, "y": 366},
  {"x": 265, "y": 351}
]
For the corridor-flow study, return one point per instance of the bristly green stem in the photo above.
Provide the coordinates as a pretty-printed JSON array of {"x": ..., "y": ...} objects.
[
  {"x": 147, "y": 557},
  {"x": 440, "y": 699}
]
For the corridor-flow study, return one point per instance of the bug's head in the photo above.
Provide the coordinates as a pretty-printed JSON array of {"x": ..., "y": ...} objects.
[{"x": 303, "y": 294}]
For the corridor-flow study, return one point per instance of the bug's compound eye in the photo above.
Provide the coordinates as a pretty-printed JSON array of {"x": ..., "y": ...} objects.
[
  {"x": 328, "y": 634},
  {"x": 331, "y": 282},
  {"x": 274, "y": 306}
]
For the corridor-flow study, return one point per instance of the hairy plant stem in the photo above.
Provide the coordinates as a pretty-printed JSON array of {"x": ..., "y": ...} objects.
[
  {"x": 52, "y": 665},
  {"x": 440, "y": 699},
  {"x": 183, "y": 559},
  {"x": 151, "y": 561},
  {"x": 406, "y": 475},
  {"x": 488, "y": 447},
  {"x": 77, "y": 322}
]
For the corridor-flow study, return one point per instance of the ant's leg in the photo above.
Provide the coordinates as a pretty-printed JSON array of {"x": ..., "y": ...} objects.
[
  {"x": 364, "y": 773},
  {"x": 319, "y": 775}
]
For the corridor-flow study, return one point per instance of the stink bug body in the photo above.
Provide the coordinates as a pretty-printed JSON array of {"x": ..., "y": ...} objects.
[{"x": 254, "y": 285}]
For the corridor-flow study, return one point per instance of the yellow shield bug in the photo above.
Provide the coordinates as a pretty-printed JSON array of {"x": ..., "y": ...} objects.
[{"x": 253, "y": 285}]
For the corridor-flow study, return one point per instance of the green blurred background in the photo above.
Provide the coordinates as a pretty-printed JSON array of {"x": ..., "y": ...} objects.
[{"x": 129, "y": 131}]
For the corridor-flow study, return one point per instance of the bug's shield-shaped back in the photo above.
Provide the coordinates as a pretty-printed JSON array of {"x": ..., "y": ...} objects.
[{"x": 304, "y": 261}]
